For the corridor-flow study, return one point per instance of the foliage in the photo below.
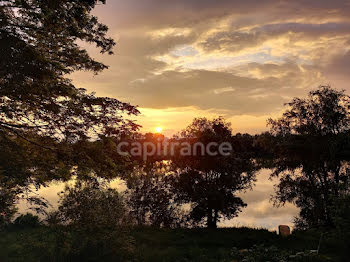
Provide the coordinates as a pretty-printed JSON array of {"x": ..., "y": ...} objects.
[
  {"x": 260, "y": 253},
  {"x": 210, "y": 187},
  {"x": 150, "y": 199},
  {"x": 91, "y": 223},
  {"x": 325, "y": 111},
  {"x": 41, "y": 37},
  {"x": 337, "y": 239},
  {"x": 64, "y": 244},
  {"x": 311, "y": 153},
  {"x": 27, "y": 220},
  {"x": 7, "y": 209},
  {"x": 91, "y": 206},
  {"x": 148, "y": 244},
  {"x": 46, "y": 123},
  {"x": 341, "y": 214}
]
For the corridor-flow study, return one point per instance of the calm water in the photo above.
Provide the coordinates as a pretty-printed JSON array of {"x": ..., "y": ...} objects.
[{"x": 260, "y": 211}]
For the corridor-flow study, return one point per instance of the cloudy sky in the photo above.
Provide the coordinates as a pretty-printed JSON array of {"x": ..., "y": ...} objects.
[{"x": 178, "y": 59}]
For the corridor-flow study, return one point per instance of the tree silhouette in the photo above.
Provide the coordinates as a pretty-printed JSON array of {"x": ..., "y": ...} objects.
[
  {"x": 311, "y": 154},
  {"x": 324, "y": 112},
  {"x": 209, "y": 183},
  {"x": 46, "y": 123},
  {"x": 150, "y": 199}
]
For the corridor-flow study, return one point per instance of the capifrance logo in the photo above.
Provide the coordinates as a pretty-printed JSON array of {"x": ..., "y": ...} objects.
[{"x": 170, "y": 148}]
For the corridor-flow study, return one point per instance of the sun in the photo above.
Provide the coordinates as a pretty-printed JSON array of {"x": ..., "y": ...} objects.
[{"x": 159, "y": 129}]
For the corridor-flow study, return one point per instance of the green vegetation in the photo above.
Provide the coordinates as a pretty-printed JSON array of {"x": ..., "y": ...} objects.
[{"x": 155, "y": 244}]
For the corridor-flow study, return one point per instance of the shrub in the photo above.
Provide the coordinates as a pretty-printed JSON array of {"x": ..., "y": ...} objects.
[
  {"x": 90, "y": 224},
  {"x": 260, "y": 253},
  {"x": 27, "y": 221}
]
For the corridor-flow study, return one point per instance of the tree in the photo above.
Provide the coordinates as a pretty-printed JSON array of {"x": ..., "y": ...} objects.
[
  {"x": 311, "y": 145},
  {"x": 209, "y": 182},
  {"x": 150, "y": 199},
  {"x": 46, "y": 123},
  {"x": 324, "y": 112}
]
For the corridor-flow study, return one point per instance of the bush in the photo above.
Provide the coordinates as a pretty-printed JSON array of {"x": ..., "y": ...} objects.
[
  {"x": 90, "y": 224},
  {"x": 27, "y": 221},
  {"x": 91, "y": 206},
  {"x": 337, "y": 240},
  {"x": 260, "y": 253}
]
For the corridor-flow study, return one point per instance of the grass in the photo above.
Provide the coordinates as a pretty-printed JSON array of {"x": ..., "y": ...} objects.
[
  {"x": 210, "y": 245},
  {"x": 150, "y": 244}
]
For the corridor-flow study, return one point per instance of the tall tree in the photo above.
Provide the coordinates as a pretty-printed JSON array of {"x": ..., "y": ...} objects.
[
  {"x": 312, "y": 152},
  {"x": 210, "y": 182},
  {"x": 46, "y": 122}
]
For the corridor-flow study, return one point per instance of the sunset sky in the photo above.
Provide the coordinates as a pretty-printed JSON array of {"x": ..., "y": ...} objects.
[{"x": 240, "y": 59}]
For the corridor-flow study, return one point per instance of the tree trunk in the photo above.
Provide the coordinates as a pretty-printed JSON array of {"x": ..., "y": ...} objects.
[
  {"x": 215, "y": 218},
  {"x": 212, "y": 220}
]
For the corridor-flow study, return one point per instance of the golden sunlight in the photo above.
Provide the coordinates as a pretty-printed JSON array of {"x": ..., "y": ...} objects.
[{"x": 159, "y": 129}]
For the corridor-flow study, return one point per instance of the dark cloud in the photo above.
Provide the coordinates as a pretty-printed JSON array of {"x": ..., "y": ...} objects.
[
  {"x": 164, "y": 13},
  {"x": 160, "y": 13}
]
